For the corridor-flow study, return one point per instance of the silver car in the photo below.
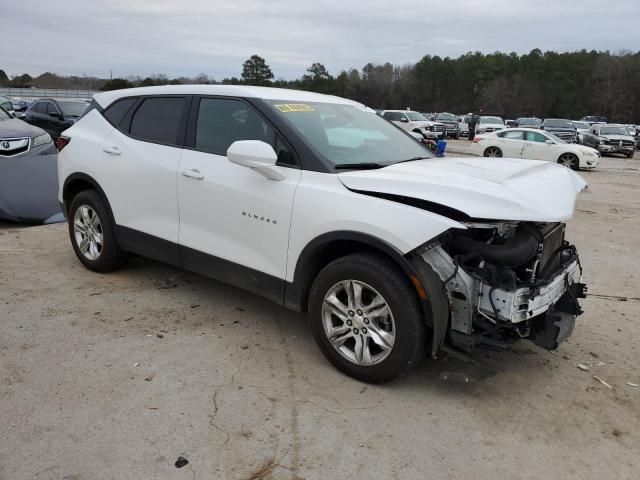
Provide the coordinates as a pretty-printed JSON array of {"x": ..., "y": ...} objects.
[{"x": 29, "y": 178}]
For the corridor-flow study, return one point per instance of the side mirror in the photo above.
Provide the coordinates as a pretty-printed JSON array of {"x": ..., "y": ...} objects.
[
  {"x": 549, "y": 142},
  {"x": 256, "y": 155},
  {"x": 404, "y": 119}
]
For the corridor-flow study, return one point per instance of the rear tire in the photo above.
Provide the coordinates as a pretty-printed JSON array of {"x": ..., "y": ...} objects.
[
  {"x": 493, "y": 152},
  {"x": 366, "y": 318},
  {"x": 630, "y": 154},
  {"x": 92, "y": 233}
]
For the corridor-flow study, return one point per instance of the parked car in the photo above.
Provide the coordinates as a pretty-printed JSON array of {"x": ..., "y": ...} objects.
[
  {"x": 451, "y": 122},
  {"x": 610, "y": 139},
  {"x": 582, "y": 128},
  {"x": 54, "y": 116},
  {"x": 29, "y": 178},
  {"x": 463, "y": 125},
  {"x": 510, "y": 123},
  {"x": 561, "y": 128},
  {"x": 392, "y": 252},
  {"x": 415, "y": 122},
  {"x": 7, "y": 105},
  {"x": 489, "y": 124},
  {"x": 634, "y": 131},
  {"x": 528, "y": 122},
  {"x": 535, "y": 144},
  {"x": 592, "y": 119},
  {"x": 19, "y": 105}
]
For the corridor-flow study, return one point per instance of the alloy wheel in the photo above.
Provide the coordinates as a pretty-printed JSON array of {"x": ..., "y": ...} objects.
[
  {"x": 358, "y": 322},
  {"x": 88, "y": 232},
  {"x": 567, "y": 160},
  {"x": 492, "y": 152}
]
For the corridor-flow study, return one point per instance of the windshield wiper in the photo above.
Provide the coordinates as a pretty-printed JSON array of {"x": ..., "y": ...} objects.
[
  {"x": 359, "y": 166},
  {"x": 413, "y": 159}
]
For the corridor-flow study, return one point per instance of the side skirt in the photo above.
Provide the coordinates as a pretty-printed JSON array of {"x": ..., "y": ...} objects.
[{"x": 195, "y": 261}]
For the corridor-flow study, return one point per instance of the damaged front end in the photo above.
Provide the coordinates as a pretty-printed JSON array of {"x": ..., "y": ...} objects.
[{"x": 504, "y": 282}]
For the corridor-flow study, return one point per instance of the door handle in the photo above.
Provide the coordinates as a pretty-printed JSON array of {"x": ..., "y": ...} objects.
[
  {"x": 112, "y": 150},
  {"x": 193, "y": 173}
]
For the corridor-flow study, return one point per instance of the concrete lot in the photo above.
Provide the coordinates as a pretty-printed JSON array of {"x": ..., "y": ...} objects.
[{"x": 116, "y": 376}]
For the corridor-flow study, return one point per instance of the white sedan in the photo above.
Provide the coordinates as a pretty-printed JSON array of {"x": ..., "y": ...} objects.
[{"x": 533, "y": 144}]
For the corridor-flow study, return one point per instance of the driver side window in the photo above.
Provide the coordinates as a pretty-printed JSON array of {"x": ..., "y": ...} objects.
[{"x": 536, "y": 137}]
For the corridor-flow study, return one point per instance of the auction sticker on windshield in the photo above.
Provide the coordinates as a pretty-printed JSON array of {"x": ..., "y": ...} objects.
[{"x": 294, "y": 107}]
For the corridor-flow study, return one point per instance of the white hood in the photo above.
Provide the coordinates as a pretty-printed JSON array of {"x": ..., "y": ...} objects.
[{"x": 482, "y": 188}]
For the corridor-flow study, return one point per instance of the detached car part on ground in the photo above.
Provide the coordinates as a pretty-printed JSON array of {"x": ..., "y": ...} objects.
[
  {"x": 28, "y": 173},
  {"x": 313, "y": 202}
]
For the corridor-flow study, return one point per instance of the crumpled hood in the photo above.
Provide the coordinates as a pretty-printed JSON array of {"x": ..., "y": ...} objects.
[
  {"x": 482, "y": 188},
  {"x": 17, "y": 128}
]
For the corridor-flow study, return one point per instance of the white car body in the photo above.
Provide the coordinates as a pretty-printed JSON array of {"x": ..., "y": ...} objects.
[
  {"x": 428, "y": 128},
  {"x": 247, "y": 218},
  {"x": 534, "y": 144},
  {"x": 489, "y": 124}
]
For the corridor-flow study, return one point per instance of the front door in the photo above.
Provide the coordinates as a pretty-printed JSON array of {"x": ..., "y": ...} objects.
[{"x": 234, "y": 222}]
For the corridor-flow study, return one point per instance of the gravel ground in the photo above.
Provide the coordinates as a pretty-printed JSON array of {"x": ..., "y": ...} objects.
[{"x": 116, "y": 376}]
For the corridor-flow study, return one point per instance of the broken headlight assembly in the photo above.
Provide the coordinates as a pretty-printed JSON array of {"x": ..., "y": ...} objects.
[{"x": 506, "y": 281}]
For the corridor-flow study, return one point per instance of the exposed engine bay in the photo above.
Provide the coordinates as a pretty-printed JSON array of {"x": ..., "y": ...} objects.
[{"x": 504, "y": 282}]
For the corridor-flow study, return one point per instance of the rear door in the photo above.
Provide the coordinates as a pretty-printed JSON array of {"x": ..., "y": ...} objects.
[
  {"x": 234, "y": 222},
  {"x": 137, "y": 166},
  {"x": 511, "y": 142},
  {"x": 536, "y": 147}
]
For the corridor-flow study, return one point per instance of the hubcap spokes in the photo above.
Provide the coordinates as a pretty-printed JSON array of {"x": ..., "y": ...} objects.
[
  {"x": 88, "y": 233},
  {"x": 358, "y": 322}
]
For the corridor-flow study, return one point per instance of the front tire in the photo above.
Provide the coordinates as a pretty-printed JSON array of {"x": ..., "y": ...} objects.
[
  {"x": 92, "y": 233},
  {"x": 569, "y": 160},
  {"x": 366, "y": 318}
]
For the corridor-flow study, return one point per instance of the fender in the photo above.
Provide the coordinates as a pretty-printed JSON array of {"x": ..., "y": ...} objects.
[
  {"x": 84, "y": 178},
  {"x": 311, "y": 262}
]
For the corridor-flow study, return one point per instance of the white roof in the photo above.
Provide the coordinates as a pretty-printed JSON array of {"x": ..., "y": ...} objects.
[{"x": 247, "y": 91}]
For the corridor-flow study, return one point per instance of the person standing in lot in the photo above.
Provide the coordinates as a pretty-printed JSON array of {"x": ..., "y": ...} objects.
[{"x": 475, "y": 118}]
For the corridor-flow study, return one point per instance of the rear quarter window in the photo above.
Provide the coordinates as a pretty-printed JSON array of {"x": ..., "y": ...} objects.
[
  {"x": 117, "y": 110},
  {"x": 158, "y": 120}
]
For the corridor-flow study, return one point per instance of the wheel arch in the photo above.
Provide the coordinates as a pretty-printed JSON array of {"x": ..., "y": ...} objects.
[
  {"x": 76, "y": 183},
  {"x": 330, "y": 246}
]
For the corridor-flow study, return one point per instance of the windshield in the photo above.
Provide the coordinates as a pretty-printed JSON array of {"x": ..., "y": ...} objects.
[
  {"x": 415, "y": 117},
  {"x": 555, "y": 123},
  {"x": 73, "y": 109},
  {"x": 613, "y": 131},
  {"x": 347, "y": 135},
  {"x": 582, "y": 125},
  {"x": 447, "y": 117},
  {"x": 491, "y": 120},
  {"x": 529, "y": 121}
]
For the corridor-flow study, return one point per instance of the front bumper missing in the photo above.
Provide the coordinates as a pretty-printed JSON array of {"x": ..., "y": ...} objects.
[{"x": 485, "y": 316}]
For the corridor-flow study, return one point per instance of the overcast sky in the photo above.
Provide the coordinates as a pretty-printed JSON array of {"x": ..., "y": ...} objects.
[{"x": 186, "y": 37}]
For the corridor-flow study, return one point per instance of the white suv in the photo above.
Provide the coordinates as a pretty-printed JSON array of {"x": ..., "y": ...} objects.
[
  {"x": 417, "y": 123},
  {"x": 318, "y": 204}
]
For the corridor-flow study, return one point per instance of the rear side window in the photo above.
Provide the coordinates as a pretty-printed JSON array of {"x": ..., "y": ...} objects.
[
  {"x": 117, "y": 110},
  {"x": 158, "y": 120},
  {"x": 224, "y": 121},
  {"x": 41, "y": 107}
]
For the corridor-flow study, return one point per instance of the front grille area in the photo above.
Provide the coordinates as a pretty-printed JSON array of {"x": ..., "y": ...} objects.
[
  {"x": 619, "y": 143},
  {"x": 439, "y": 128},
  {"x": 14, "y": 146}
]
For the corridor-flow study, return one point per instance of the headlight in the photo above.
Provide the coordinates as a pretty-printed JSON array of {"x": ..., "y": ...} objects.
[{"x": 41, "y": 140}]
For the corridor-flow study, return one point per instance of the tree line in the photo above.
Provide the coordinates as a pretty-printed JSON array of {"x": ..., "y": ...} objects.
[{"x": 542, "y": 84}]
